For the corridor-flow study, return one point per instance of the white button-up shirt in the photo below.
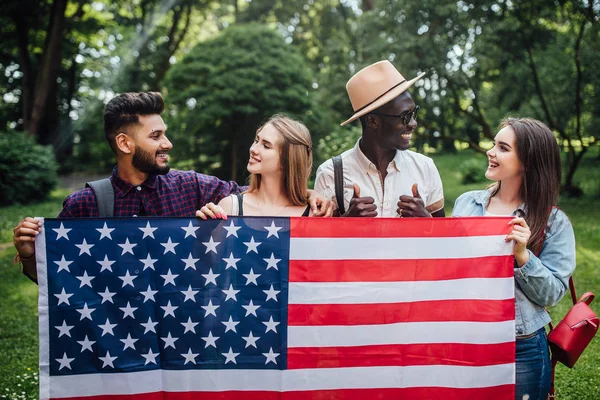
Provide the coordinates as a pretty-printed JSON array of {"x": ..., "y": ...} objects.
[{"x": 406, "y": 169}]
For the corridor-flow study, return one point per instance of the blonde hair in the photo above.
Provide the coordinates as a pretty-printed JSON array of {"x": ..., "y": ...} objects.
[{"x": 295, "y": 158}]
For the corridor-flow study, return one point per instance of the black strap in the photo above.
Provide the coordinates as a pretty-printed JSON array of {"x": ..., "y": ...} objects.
[
  {"x": 240, "y": 198},
  {"x": 105, "y": 196},
  {"x": 306, "y": 212},
  {"x": 338, "y": 181}
]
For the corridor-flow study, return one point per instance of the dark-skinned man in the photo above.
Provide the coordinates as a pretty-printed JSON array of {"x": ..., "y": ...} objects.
[{"x": 380, "y": 176}]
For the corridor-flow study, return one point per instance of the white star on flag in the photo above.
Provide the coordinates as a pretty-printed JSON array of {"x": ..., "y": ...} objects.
[
  {"x": 271, "y": 356},
  {"x": 273, "y": 230},
  {"x": 62, "y": 232},
  {"x": 63, "y": 297},
  {"x": 107, "y": 327},
  {"x": 64, "y": 329},
  {"x": 210, "y": 309},
  {"x": 189, "y": 326},
  {"x": 190, "y": 262},
  {"x": 272, "y": 262},
  {"x": 211, "y": 245},
  {"x": 64, "y": 361},
  {"x": 105, "y": 232},
  {"x": 86, "y": 344},
  {"x": 252, "y": 245},
  {"x": 189, "y": 294},
  {"x": 231, "y": 293},
  {"x": 250, "y": 340},
  {"x": 127, "y": 279},
  {"x": 127, "y": 247},
  {"x": 169, "y": 246},
  {"x": 84, "y": 247},
  {"x": 128, "y": 311},
  {"x": 251, "y": 309},
  {"x": 271, "y": 325},
  {"x": 231, "y": 261},
  {"x": 189, "y": 356},
  {"x": 148, "y": 231},
  {"x": 169, "y": 278},
  {"x": 210, "y": 340},
  {"x": 211, "y": 277},
  {"x": 190, "y": 230},
  {"x": 169, "y": 309},
  {"x": 85, "y": 279},
  {"x": 230, "y": 325},
  {"x": 271, "y": 293},
  {"x": 128, "y": 342},
  {"x": 149, "y": 262},
  {"x": 107, "y": 296},
  {"x": 107, "y": 360},
  {"x": 251, "y": 277},
  {"x": 106, "y": 264},
  {"x": 63, "y": 264},
  {"x": 169, "y": 340},
  {"x": 230, "y": 356},
  {"x": 149, "y": 326},
  {"x": 232, "y": 229},
  {"x": 150, "y": 357},
  {"x": 149, "y": 294},
  {"x": 86, "y": 312}
]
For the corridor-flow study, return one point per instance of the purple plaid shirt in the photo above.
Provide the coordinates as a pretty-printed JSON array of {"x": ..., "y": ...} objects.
[{"x": 176, "y": 194}]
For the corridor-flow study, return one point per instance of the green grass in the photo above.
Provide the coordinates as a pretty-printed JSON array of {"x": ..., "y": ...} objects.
[{"x": 18, "y": 321}]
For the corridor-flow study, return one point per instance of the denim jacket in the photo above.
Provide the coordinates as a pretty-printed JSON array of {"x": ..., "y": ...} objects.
[{"x": 544, "y": 279}]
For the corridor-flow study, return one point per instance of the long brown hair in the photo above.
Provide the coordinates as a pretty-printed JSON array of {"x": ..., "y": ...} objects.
[
  {"x": 539, "y": 154},
  {"x": 295, "y": 158}
]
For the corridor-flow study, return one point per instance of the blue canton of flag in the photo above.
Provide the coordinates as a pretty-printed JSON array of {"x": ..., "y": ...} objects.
[{"x": 141, "y": 294}]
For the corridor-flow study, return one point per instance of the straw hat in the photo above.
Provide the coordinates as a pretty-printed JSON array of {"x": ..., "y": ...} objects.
[{"x": 374, "y": 86}]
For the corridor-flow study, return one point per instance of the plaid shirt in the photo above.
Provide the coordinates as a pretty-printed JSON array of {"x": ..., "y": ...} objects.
[{"x": 176, "y": 194}]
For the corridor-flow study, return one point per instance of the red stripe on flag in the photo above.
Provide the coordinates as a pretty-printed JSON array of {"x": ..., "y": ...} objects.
[
  {"x": 389, "y": 313},
  {"x": 400, "y": 270},
  {"x": 398, "y": 227},
  {"x": 418, "y": 393},
  {"x": 396, "y": 355}
]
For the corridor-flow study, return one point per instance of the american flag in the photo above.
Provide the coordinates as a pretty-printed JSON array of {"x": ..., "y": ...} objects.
[{"x": 276, "y": 308}]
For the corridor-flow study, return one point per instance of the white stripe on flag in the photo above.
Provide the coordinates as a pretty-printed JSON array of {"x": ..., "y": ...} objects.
[
  {"x": 398, "y": 248},
  {"x": 44, "y": 319},
  {"x": 288, "y": 380},
  {"x": 397, "y": 292},
  {"x": 402, "y": 333}
]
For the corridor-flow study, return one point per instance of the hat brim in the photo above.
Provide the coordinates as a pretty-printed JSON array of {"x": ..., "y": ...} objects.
[{"x": 397, "y": 91}]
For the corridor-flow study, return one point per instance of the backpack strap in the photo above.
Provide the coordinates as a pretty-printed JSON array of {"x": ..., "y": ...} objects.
[
  {"x": 240, "y": 200},
  {"x": 338, "y": 181},
  {"x": 105, "y": 196}
]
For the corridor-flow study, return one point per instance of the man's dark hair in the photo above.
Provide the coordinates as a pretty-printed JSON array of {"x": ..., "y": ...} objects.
[{"x": 124, "y": 110}]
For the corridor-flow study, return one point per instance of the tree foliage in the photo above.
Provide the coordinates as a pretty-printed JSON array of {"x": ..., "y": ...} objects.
[
  {"x": 484, "y": 59},
  {"x": 224, "y": 88}
]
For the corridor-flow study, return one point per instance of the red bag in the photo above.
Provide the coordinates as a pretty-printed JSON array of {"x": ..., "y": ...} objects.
[{"x": 572, "y": 335}]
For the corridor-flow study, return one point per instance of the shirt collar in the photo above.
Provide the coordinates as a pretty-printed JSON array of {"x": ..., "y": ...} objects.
[
  {"x": 365, "y": 164},
  {"x": 122, "y": 187},
  {"x": 483, "y": 198}
]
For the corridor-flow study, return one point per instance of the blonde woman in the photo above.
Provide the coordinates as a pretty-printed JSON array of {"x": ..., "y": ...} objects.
[{"x": 280, "y": 164}]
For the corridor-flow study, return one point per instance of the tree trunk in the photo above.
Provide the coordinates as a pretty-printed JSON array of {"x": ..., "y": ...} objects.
[
  {"x": 45, "y": 85},
  {"x": 27, "y": 87}
]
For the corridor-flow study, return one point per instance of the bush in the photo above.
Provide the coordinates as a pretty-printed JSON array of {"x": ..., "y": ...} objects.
[
  {"x": 28, "y": 171},
  {"x": 473, "y": 170}
]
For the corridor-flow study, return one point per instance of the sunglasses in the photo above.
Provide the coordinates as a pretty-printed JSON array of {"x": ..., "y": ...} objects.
[{"x": 406, "y": 117}]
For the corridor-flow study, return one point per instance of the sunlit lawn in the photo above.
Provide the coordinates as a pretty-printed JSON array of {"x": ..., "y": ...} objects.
[{"x": 18, "y": 316}]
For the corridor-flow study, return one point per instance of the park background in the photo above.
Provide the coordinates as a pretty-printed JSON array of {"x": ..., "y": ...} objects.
[{"x": 226, "y": 66}]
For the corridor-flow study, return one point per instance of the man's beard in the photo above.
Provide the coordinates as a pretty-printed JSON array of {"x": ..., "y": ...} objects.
[{"x": 143, "y": 161}]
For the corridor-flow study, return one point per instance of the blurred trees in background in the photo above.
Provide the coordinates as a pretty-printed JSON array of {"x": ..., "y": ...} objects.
[{"x": 226, "y": 66}]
